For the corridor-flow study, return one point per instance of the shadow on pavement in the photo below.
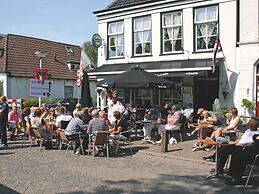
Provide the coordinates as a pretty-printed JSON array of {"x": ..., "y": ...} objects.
[
  {"x": 6, "y": 190},
  {"x": 6, "y": 153},
  {"x": 170, "y": 184}
]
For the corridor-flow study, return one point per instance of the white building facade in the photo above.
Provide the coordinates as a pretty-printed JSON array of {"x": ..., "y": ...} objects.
[{"x": 175, "y": 39}]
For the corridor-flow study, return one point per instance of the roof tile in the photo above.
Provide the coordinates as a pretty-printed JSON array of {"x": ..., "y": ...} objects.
[
  {"x": 21, "y": 58},
  {"x": 126, "y": 3}
]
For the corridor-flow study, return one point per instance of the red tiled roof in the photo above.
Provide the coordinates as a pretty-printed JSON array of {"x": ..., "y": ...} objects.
[
  {"x": 2, "y": 59},
  {"x": 21, "y": 58}
]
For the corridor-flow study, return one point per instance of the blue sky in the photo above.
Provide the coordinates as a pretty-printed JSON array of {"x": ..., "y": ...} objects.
[{"x": 68, "y": 21}]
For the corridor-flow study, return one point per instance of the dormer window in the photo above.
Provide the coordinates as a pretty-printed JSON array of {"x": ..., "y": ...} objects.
[
  {"x": 70, "y": 51},
  {"x": 73, "y": 66}
]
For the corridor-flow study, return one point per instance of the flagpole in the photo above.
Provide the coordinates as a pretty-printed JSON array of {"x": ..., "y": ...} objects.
[{"x": 78, "y": 90}]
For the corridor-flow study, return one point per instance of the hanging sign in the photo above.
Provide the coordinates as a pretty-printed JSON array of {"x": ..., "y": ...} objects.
[{"x": 96, "y": 40}]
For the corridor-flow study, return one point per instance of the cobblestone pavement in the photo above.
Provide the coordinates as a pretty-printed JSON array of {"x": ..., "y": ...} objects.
[{"x": 30, "y": 171}]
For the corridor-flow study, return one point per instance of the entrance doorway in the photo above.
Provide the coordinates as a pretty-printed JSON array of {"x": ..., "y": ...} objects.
[
  {"x": 257, "y": 95},
  {"x": 205, "y": 92}
]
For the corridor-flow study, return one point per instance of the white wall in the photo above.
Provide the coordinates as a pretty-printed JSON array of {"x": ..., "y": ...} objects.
[
  {"x": 227, "y": 27},
  {"x": 248, "y": 50},
  {"x": 239, "y": 79},
  {"x": 19, "y": 87}
]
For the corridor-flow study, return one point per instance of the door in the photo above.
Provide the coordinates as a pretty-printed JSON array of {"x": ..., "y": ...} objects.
[
  {"x": 257, "y": 95},
  {"x": 205, "y": 93}
]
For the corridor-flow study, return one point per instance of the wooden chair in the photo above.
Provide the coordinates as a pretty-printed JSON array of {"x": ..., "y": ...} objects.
[
  {"x": 124, "y": 140},
  {"x": 100, "y": 140},
  {"x": 36, "y": 137},
  {"x": 64, "y": 141}
]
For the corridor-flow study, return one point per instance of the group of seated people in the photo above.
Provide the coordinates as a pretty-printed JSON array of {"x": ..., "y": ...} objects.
[
  {"x": 86, "y": 121},
  {"x": 168, "y": 118},
  {"x": 242, "y": 148}
]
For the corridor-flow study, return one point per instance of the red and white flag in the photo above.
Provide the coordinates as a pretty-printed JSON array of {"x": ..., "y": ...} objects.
[
  {"x": 217, "y": 49},
  {"x": 84, "y": 63}
]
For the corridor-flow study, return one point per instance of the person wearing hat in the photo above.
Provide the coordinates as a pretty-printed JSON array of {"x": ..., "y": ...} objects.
[{"x": 200, "y": 110}]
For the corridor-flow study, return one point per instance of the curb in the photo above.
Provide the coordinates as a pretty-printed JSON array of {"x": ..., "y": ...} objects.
[{"x": 144, "y": 152}]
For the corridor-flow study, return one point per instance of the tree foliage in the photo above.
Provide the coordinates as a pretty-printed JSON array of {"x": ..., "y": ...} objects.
[{"x": 91, "y": 52}]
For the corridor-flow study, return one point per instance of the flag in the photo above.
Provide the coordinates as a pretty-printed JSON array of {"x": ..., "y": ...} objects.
[
  {"x": 84, "y": 63},
  {"x": 217, "y": 49}
]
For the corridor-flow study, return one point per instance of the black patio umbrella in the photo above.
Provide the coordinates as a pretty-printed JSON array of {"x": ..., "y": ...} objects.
[
  {"x": 86, "y": 99},
  {"x": 135, "y": 78}
]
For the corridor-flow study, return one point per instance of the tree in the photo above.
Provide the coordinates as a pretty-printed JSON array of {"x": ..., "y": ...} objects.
[{"x": 91, "y": 52}]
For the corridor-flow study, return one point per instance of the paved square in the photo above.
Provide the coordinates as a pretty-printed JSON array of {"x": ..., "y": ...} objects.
[{"x": 30, "y": 171}]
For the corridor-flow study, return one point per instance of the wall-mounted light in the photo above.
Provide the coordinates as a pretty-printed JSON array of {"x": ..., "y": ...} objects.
[
  {"x": 1, "y": 52},
  {"x": 224, "y": 93}
]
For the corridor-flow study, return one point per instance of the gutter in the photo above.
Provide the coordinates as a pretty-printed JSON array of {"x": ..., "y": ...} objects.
[{"x": 154, "y": 71}]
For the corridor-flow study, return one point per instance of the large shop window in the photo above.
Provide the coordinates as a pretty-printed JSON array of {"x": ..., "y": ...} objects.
[
  {"x": 206, "y": 27},
  {"x": 143, "y": 97},
  {"x": 142, "y": 35},
  {"x": 116, "y": 39},
  {"x": 172, "y": 32}
]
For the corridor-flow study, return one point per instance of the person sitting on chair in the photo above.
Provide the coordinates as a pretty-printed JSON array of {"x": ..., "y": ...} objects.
[
  {"x": 240, "y": 144},
  {"x": 240, "y": 158},
  {"x": 119, "y": 126},
  {"x": 233, "y": 124},
  {"x": 173, "y": 120},
  {"x": 75, "y": 127},
  {"x": 62, "y": 117},
  {"x": 13, "y": 119},
  {"x": 207, "y": 119},
  {"x": 97, "y": 123},
  {"x": 154, "y": 115}
]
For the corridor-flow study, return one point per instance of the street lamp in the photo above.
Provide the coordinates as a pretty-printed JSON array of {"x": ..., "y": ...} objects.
[{"x": 41, "y": 55}]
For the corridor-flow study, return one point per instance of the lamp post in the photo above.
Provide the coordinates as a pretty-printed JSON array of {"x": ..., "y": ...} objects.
[{"x": 41, "y": 55}]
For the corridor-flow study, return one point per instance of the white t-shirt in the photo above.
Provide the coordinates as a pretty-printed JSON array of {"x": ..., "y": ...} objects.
[
  {"x": 247, "y": 137},
  {"x": 117, "y": 107},
  {"x": 62, "y": 118}
]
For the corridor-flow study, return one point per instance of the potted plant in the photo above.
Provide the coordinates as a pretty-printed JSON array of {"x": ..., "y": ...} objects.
[{"x": 249, "y": 107}]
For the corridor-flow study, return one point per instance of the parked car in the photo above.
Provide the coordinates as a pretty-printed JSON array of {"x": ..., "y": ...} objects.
[{"x": 69, "y": 103}]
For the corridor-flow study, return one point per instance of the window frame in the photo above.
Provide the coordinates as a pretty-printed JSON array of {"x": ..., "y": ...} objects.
[
  {"x": 143, "y": 42},
  {"x": 206, "y": 23},
  {"x": 65, "y": 92},
  {"x": 116, "y": 34},
  {"x": 163, "y": 52}
]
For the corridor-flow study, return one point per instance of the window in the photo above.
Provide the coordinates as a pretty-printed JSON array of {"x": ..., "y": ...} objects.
[
  {"x": 206, "y": 27},
  {"x": 142, "y": 35},
  {"x": 68, "y": 91},
  {"x": 116, "y": 39},
  {"x": 70, "y": 51},
  {"x": 172, "y": 32},
  {"x": 143, "y": 97}
]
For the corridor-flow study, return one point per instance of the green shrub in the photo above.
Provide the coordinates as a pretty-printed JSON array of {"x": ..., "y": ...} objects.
[
  {"x": 33, "y": 101},
  {"x": 94, "y": 101},
  {"x": 247, "y": 104},
  {"x": 224, "y": 111}
]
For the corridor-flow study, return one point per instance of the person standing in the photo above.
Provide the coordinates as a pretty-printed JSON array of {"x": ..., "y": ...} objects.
[{"x": 4, "y": 120}]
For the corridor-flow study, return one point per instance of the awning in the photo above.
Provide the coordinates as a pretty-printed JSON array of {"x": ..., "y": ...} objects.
[{"x": 163, "y": 68}]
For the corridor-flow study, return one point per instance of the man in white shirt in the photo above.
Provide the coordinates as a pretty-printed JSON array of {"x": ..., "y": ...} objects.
[
  {"x": 117, "y": 106},
  {"x": 246, "y": 139},
  {"x": 62, "y": 117}
]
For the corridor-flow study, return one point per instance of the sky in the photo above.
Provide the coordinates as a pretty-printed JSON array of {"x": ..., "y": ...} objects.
[{"x": 66, "y": 21}]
